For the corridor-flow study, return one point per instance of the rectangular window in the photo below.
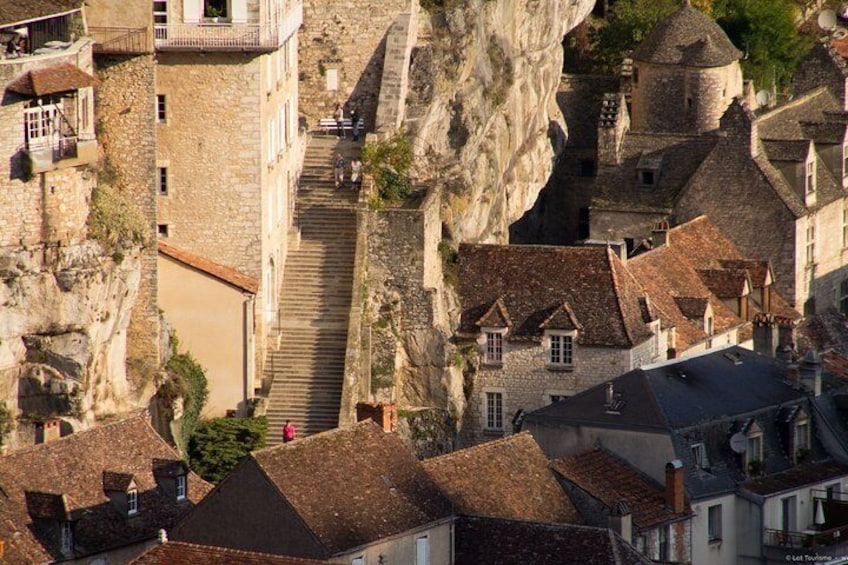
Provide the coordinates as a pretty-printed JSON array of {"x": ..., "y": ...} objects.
[
  {"x": 647, "y": 178},
  {"x": 160, "y": 11},
  {"x": 845, "y": 160},
  {"x": 788, "y": 508},
  {"x": 845, "y": 225},
  {"x": 811, "y": 178},
  {"x": 833, "y": 491},
  {"x": 494, "y": 410},
  {"x": 699, "y": 454},
  {"x": 271, "y": 133},
  {"x": 422, "y": 551},
  {"x": 332, "y": 79},
  {"x": 662, "y": 534},
  {"x": 358, "y": 560},
  {"x": 162, "y": 181},
  {"x": 163, "y": 230},
  {"x": 67, "y": 535},
  {"x": 494, "y": 347},
  {"x": 561, "y": 350},
  {"x": 754, "y": 451},
  {"x": 802, "y": 435},
  {"x": 181, "y": 487},
  {"x": 132, "y": 502},
  {"x": 40, "y": 122},
  {"x": 811, "y": 242},
  {"x": 161, "y": 109},
  {"x": 714, "y": 523}
]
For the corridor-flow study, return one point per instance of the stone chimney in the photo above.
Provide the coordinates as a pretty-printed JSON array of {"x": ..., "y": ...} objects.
[
  {"x": 766, "y": 335},
  {"x": 740, "y": 126},
  {"x": 384, "y": 415},
  {"x": 793, "y": 373},
  {"x": 674, "y": 486},
  {"x": 613, "y": 124},
  {"x": 621, "y": 521},
  {"x": 660, "y": 235},
  {"x": 52, "y": 430},
  {"x": 610, "y": 394},
  {"x": 810, "y": 372}
]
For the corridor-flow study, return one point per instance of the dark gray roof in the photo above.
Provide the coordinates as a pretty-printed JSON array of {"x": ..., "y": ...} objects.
[
  {"x": 788, "y": 120},
  {"x": 794, "y": 150},
  {"x": 687, "y": 37},
  {"x": 824, "y": 132},
  {"x": 18, "y": 11}
]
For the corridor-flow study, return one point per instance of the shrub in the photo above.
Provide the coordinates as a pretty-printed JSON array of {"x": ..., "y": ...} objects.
[
  {"x": 389, "y": 161},
  {"x": 113, "y": 220},
  {"x": 189, "y": 380},
  {"x": 218, "y": 445}
]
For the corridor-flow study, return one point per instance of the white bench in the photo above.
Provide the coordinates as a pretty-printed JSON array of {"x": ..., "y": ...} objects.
[{"x": 329, "y": 125}]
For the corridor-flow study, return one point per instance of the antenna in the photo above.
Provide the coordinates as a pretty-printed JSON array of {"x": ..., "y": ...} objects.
[
  {"x": 739, "y": 442},
  {"x": 763, "y": 97},
  {"x": 827, "y": 20}
]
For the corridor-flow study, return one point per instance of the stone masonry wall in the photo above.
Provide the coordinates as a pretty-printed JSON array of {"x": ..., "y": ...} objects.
[
  {"x": 126, "y": 132},
  {"x": 350, "y": 38},
  {"x": 400, "y": 40}
]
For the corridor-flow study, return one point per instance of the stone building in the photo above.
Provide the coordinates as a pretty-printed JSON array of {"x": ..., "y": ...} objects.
[
  {"x": 229, "y": 148},
  {"x": 545, "y": 323}
]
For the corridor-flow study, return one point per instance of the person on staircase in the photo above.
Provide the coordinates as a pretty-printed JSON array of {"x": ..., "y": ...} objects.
[
  {"x": 355, "y": 174},
  {"x": 338, "y": 170},
  {"x": 289, "y": 431},
  {"x": 339, "y": 116}
]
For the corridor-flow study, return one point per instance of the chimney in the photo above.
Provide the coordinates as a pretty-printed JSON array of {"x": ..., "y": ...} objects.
[
  {"x": 384, "y": 415},
  {"x": 793, "y": 373},
  {"x": 660, "y": 235},
  {"x": 621, "y": 521},
  {"x": 610, "y": 393},
  {"x": 163, "y": 536},
  {"x": 810, "y": 372},
  {"x": 52, "y": 430},
  {"x": 674, "y": 485},
  {"x": 766, "y": 336}
]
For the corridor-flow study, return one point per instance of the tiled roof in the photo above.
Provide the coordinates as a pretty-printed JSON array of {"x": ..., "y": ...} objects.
[
  {"x": 692, "y": 307},
  {"x": 71, "y": 469},
  {"x": 797, "y": 476},
  {"x": 505, "y": 478},
  {"x": 496, "y": 316},
  {"x": 17, "y": 11},
  {"x": 612, "y": 480},
  {"x": 506, "y": 542},
  {"x": 824, "y": 132},
  {"x": 789, "y": 121},
  {"x": 687, "y": 37},
  {"x": 563, "y": 318},
  {"x": 182, "y": 553},
  {"x": 726, "y": 283},
  {"x": 47, "y": 506},
  {"x": 220, "y": 272},
  {"x": 51, "y": 80},
  {"x": 758, "y": 271},
  {"x": 118, "y": 482},
  {"x": 793, "y": 150},
  {"x": 354, "y": 485},
  {"x": 534, "y": 281}
]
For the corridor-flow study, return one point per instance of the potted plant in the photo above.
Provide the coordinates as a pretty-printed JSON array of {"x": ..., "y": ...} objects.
[{"x": 212, "y": 12}]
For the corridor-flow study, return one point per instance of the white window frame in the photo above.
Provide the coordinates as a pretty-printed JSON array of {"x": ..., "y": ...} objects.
[
  {"x": 811, "y": 241},
  {"x": 41, "y": 123},
  {"x": 561, "y": 349},
  {"x": 754, "y": 440},
  {"x": 800, "y": 430},
  {"x": 181, "y": 483},
  {"x": 493, "y": 406},
  {"x": 161, "y": 14},
  {"x": 422, "y": 550},
  {"x": 162, "y": 181},
  {"x": 714, "y": 527},
  {"x": 132, "y": 502},
  {"x": 332, "y": 78},
  {"x": 699, "y": 454},
  {"x": 810, "y": 177},
  {"x": 360, "y": 560},
  {"x": 493, "y": 352}
]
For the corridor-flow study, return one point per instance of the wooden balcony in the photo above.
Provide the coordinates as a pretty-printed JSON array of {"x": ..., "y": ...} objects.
[{"x": 120, "y": 40}]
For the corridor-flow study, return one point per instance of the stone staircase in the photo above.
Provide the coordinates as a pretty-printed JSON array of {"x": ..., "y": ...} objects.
[{"x": 305, "y": 363}]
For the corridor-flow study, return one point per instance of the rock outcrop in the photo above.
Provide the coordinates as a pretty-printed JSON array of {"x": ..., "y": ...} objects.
[
  {"x": 483, "y": 110},
  {"x": 65, "y": 312}
]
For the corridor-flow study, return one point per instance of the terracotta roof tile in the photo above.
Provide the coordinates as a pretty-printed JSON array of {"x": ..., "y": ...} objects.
[
  {"x": 182, "y": 553},
  {"x": 687, "y": 37},
  {"x": 505, "y": 478},
  {"x": 51, "y": 80},
  {"x": 220, "y": 272},
  {"x": 71, "y": 469},
  {"x": 16, "y": 11},
  {"x": 726, "y": 283},
  {"x": 118, "y": 482},
  {"x": 534, "y": 280},
  {"x": 797, "y": 476},
  {"x": 611, "y": 480},
  {"x": 496, "y": 316},
  {"x": 562, "y": 318},
  {"x": 363, "y": 485}
]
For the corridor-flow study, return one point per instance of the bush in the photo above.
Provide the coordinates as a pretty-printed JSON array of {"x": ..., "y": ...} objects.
[
  {"x": 113, "y": 220},
  {"x": 218, "y": 445},
  {"x": 389, "y": 161},
  {"x": 189, "y": 380}
]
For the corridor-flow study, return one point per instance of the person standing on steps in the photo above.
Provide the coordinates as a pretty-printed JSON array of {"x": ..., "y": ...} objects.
[
  {"x": 338, "y": 170},
  {"x": 339, "y": 116},
  {"x": 289, "y": 432},
  {"x": 355, "y": 173},
  {"x": 354, "y": 123}
]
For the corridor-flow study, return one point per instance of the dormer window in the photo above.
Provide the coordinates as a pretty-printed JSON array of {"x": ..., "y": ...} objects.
[
  {"x": 810, "y": 178},
  {"x": 181, "y": 487},
  {"x": 562, "y": 350},
  {"x": 66, "y": 538},
  {"x": 494, "y": 347},
  {"x": 132, "y": 502},
  {"x": 708, "y": 325},
  {"x": 801, "y": 439},
  {"x": 646, "y": 178},
  {"x": 648, "y": 168},
  {"x": 699, "y": 454},
  {"x": 754, "y": 450}
]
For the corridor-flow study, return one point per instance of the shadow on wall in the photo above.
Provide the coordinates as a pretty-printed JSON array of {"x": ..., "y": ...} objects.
[{"x": 364, "y": 95}]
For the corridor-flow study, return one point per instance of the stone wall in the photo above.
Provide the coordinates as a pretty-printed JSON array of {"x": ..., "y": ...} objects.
[
  {"x": 400, "y": 40},
  {"x": 348, "y": 37},
  {"x": 126, "y": 132}
]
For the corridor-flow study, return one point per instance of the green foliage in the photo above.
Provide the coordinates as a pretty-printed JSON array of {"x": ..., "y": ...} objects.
[
  {"x": 218, "y": 445},
  {"x": 389, "y": 161},
  {"x": 450, "y": 262},
  {"x": 189, "y": 382},
  {"x": 114, "y": 221},
  {"x": 767, "y": 31},
  {"x": 629, "y": 22},
  {"x": 6, "y": 421}
]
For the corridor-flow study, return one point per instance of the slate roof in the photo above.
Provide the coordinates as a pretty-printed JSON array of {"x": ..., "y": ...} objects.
[
  {"x": 611, "y": 480},
  {"x": 182, "y": 553},
  {"x": 361, "y": 485},
  {"x": 505, "y": 478},
  {"x": 68, "y": 474},
  {"x": 507, "y": 542},
  {"x": 220, "y": 272},
  {"x": 787, "y": 150},
  {"x": 534, "y": 281},
  {"x": 805, "y": 473},
  {"x": 789, "y": 121},
  {"x": 17, "y": 11},
  {"x": 687, "y": 37},
  {"x": 59, "y": 78}
]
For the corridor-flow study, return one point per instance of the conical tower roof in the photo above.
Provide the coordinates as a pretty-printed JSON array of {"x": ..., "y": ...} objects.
[{"x": 690, "y": 38}]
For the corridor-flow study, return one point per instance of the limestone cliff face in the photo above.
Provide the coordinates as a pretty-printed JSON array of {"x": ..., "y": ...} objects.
[
  {"x": 65, "y": 312},
  {"x": 483, "y": 110}
]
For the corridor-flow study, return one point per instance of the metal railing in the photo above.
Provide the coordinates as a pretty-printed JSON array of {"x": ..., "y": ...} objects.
[
  {"x": 806, "y": 540},
  {"x": 120, "y": 40},
  {"x": 216, "y": 36}
]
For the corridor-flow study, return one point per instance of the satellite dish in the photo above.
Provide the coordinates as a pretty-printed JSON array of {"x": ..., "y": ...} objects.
[
  {"x": 763, "y": 97},
  {"x": 739, "y": 442},
  {"x": 840, "y": 33},
  {"x": 827, "y": 20}
]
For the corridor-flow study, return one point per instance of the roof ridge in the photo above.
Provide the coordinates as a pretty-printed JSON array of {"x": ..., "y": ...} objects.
[
  {"x": 612, "y": 258},
  {"x": 478, "y": 447},
  {"x": 315, "y": 437}
]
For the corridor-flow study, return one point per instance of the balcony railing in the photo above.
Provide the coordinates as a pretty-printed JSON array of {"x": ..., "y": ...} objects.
[
  {"x": 216, "y": 37},
  {"x": 806, "y": 540},
  {"x": 120, "y": 40}
]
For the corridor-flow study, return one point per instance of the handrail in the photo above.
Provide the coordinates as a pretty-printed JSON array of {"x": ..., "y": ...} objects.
[
  {"x": 809, "y": 539},
  {"x": 220, "y": 36},
  {"x": 120, "y": 39}
]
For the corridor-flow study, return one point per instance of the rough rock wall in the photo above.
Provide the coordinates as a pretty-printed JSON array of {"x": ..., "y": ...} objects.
[
  {"x": 65, "y": 313},
  {"x": 483, "y": 108}
]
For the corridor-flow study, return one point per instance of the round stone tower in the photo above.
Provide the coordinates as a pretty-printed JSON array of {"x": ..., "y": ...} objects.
[{"x": 685, "y": 74}]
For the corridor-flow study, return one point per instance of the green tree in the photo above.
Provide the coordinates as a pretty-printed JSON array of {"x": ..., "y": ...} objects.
[
  {"x": 389, "y": 162},
  {"x": 218, "y": 445},
  {"x": 766, "y": 30},
  {"x": 188, "y": 381},
  {"x": 629, "y": 22}
]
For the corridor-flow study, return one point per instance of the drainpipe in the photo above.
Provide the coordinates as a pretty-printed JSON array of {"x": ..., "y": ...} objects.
[{"x": 249, "y": 352}]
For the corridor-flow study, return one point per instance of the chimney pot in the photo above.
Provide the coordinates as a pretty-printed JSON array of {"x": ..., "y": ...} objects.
[
  {"x": 621, "y": 521},
  {"x": 610, "y": 393},
  {"x": 384, "y": 415},
  {"x": 674, "y": 486}
]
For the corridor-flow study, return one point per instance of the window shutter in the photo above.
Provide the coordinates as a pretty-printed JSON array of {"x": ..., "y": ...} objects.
[
  {"x": 191, "y": 11},
  {"x": 239, "y": 14}
]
